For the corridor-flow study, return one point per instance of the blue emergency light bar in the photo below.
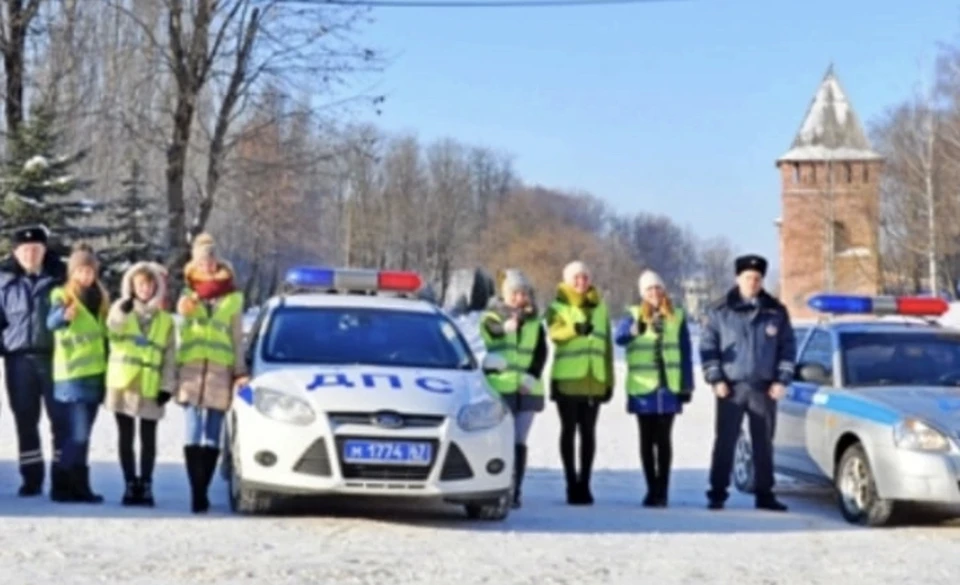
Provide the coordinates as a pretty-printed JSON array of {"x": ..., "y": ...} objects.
[
  {"x": 879, "y": 305},
  {"x": 353, "y": 279}
]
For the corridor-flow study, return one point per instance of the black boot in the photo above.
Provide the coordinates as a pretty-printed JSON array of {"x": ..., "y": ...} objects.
[
  {"x": 210, "y": 457},
  {"x": 584, "y": 495},
  {"x": 519, "y": 467},
  {"x": 663, "y": 488},
  {"x": 131, "y": 494},
  {"x": 769, "y": 502},
  {"x": 80, "y": 486},
  {"x": 32, "y": 484},
  {"x": 192, "y": 456},
  {"x": 145, "y": 495},
  {"x": 60, "y": 485}
]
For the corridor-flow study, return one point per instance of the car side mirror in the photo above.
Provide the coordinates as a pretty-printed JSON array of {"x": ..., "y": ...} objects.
[
  {"x": 494, "y": 363},
  {"x": 814, "y": 373}
]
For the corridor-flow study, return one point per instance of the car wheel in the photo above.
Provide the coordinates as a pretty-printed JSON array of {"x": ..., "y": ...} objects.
[
  {"x": 495, "y": 510},
  {"x": 743, "y": 471},
  {"x": 244, "y": 500},
  {"x": 857, "y": 490}
]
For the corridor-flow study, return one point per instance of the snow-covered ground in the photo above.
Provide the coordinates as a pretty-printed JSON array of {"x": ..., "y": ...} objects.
[{"x": 342, "y": 543}]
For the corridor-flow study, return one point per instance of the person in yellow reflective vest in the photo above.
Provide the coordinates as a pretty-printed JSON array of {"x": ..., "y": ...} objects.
[
  {"x": 76, "y": 318},
  {"x": 210, "y": 360},
  {"x": 141, "y": 373},
  {"x": 512, "y": 328},
  {"x": 581, "y": 376},
  {"x": 659, "y": 378}
]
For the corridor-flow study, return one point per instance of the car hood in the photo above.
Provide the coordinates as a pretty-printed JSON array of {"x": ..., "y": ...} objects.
[
  {"x": 370, "y": 389},
  {"x": 936, "y": 404}
]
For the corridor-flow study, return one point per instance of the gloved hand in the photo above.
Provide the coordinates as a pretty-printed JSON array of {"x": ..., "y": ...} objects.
[
  {"x": 527, "y": 384},
  {"x": 127, "y": 305},
  {"x": 583, "y": 329},
  {"x": 608, "y": 394},
  {"x": 163, "y": 398},
  {"x": 685, "y": 397}
]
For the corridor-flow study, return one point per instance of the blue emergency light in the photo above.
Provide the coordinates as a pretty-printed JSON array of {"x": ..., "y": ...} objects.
[
  {"x": 879, "y": 305},
  {"x": 353, "y": 279}
]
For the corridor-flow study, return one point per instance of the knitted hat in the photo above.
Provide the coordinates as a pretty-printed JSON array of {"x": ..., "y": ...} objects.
[
  {"x": 513, "y": 280},
  {"x": 204, "y": 247},
  {"x": 648, "y": 279},
  {"x": 570, "y": 271},
  {"x": 82, "y": 255}
]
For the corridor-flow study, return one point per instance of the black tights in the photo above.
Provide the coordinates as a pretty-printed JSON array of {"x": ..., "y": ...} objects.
[
  {"x": 656, "y": 450},
  {"x": 578, "y": 415},
  {"x": 148, "y": 447}
]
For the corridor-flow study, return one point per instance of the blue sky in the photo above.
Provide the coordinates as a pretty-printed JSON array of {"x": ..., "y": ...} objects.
[{"x": 678, "y": 108}]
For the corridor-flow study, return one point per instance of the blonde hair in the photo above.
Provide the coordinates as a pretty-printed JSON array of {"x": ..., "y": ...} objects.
[{"x": 665, "y": 309}]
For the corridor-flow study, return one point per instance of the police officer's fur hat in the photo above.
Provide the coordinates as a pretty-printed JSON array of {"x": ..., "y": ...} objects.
[
  {"x": 751, "y": 262},
  {"x": 30, "y": 235}
]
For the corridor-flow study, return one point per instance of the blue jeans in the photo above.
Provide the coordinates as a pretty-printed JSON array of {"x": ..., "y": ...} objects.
[
  {"x": 203, "y": 426},
  {"x": 80, "y": 417}
]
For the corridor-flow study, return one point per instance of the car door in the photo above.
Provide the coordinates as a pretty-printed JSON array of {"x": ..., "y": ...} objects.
[{"x": 791, "y": 442}]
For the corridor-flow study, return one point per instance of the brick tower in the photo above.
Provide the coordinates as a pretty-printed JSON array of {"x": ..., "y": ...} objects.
[{"x": 830, "y": 198}]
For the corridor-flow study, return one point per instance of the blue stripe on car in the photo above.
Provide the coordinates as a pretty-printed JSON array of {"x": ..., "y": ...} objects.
[{"x": 844, "y": 404}]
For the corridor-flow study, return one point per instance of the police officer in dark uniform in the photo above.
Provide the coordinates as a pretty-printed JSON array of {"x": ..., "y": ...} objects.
[
  {"x": 747, "y": 350},
  {"x": 26, "y": 279}
]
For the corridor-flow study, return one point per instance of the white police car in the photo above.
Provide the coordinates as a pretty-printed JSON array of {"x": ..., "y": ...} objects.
[{"x": 360, "y": 387}]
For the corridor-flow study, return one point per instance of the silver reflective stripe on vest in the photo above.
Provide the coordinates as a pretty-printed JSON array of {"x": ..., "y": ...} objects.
[
  {"x": 138, "y": 340},
  {"x": 203, "y": 343},
  {"x": 69, "y": 340},
  {"x": 130, "y": 360}
]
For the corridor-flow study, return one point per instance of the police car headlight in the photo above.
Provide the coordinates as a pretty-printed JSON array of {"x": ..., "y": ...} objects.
[
  {"x": 283, "y": 407},
  {"x": 484, "y": 414},
  {"x": 915, "y": 435}
]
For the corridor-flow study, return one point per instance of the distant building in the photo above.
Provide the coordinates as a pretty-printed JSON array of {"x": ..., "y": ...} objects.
[
  {"x": 696, "y": 295},
  {"x": 830, "y": 197}
]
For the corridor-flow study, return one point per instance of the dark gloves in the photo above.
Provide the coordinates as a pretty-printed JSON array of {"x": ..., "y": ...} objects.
[
  {"x": 163, "y": 398},
  {"x": 685, "y": 397},
  {"x": 583, "y": 329},
  {"x": 127, "y": 305}
]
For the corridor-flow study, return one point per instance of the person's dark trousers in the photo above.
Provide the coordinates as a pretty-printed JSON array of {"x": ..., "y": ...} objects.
[
  {"x": 29, "y": 379},
  {"x": 656, "y": 454},
  {"x": 578, "y": 416},
  {"x": 139, "y": 489},
  {"x": 761, "y": 412},
  {"x": 80, "y": 417}
]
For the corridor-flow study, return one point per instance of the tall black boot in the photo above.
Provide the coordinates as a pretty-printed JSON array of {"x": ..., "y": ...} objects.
[
  {"x": 80, "y": 486},
  {"x": 192, "y": 457},
  {"x": 208, "y": 458},
  {"x": 131, "y": 493},
  {"x": 519, "y": 467},
  {"x": 59, "y": 484}
]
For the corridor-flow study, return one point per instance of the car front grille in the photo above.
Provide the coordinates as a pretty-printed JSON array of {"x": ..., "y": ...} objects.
[
  {"x": 455, "y": 466},
  {"x": 315, "y": 460},
  {"x": 409, "y": 421},
  {"x": 385, "y": 472}
]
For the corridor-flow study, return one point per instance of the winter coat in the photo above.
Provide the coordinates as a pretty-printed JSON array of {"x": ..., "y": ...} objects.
[
  {"x": 25, "y": 305},
  {"x": 560, "y": 331},
  {"x": 744, "y": 343},
  {"x": 206, "y": 384},
  {"x": 663, "y": 400},
  {"x": 130, "y": 401},
  {"x": 89, "y": 389},
  {"x": 519, "y": 402}
]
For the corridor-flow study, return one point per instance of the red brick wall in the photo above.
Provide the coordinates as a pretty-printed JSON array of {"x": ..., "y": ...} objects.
[{"x": 803, "y": 230}]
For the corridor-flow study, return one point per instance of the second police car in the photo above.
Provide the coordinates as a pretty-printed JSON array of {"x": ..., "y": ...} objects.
[
  {"x": 361, "y": 387},
  {"x": 874, "y": 410}
]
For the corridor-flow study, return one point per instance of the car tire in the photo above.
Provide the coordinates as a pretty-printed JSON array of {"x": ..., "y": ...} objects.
[
  {"x": 744, "y": 478},
  {"x": 245, "y": 500},
  {"x": 857, "y": 490},
  {"x": 490, "y": 510}
]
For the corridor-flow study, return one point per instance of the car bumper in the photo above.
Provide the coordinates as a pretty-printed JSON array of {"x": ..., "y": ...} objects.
[
  {"x": 920, "y": 477},
  {"x": 307, "y": 460}
]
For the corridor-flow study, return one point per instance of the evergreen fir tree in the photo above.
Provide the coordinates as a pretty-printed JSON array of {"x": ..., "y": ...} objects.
[
  {"x": 133, "y": 221},
  {"x": 39, "y": 189}
]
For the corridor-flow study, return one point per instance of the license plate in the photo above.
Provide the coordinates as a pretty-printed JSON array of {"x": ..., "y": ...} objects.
[{"x": 387, "y": 452}]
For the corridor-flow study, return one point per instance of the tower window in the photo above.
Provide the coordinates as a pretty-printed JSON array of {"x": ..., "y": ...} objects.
[
  {"x": 813, "y": 173},
  {"x": 847, "y": 172},
  {"x": 796, "y": 173},
  {"x": 866, "y": 173},
  {"x": 841, "y": 237}
]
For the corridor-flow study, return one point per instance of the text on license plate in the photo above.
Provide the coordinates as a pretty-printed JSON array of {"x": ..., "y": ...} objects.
[{"x": 387, "y": 452}]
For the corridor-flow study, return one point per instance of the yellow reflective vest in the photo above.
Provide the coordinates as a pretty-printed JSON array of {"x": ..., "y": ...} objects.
[
  {"x": 79, "y": 349},
  {"x": 517, "y": 349},
  {"x": 209, "y": 337},
  {"x": 135, "y": 357},
  {"x": 582, "y": 355},
  {"x": 643, "y": 376}
]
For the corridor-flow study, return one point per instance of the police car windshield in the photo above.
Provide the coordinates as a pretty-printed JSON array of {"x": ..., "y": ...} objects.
[
  {"x": 367, "y": 336},
  {"x": 916, "y": 358}
]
